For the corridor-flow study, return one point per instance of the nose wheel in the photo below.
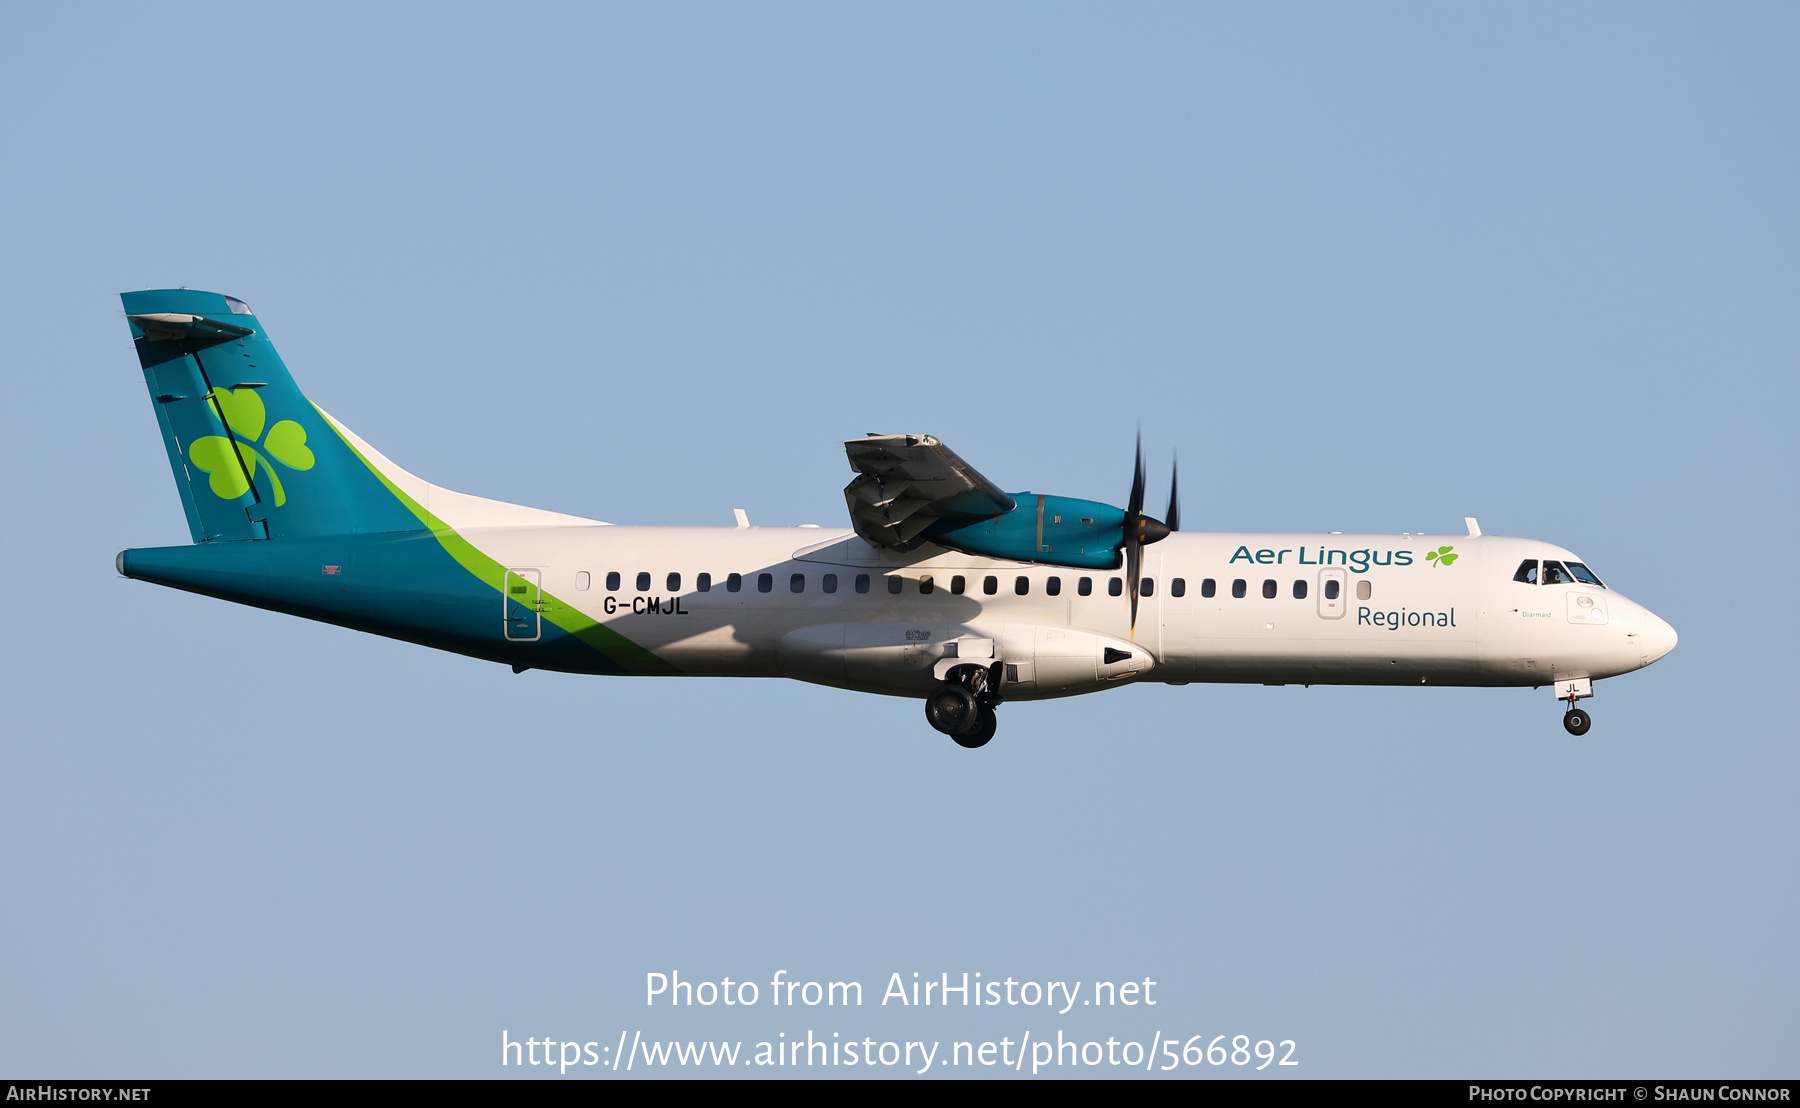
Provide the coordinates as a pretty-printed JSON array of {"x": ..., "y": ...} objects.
[{"x": 1573, "y": 691}]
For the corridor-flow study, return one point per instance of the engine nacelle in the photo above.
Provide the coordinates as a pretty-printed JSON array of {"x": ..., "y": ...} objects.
[
  {"x": 1052, "y": 530},
  {"x": 909, "y": 659}
]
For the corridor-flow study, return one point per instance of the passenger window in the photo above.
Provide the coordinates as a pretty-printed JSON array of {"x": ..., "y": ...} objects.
[
  {"x": 583, "y": 580},
  {"x": 990, "y": 585},
  {"x": 1299, "y": 590},
  {"x": 1178, "y": 587},
  {"x": 1147, "y": 587},
  {"x": 734, "y": 582},
  {"x": 765, "y": 582},
  {"x": 1555, "y": 574},
  {"x": 862, "y": 582},
  {"x": 797, "y": 583},
  {"x": 1115, "y": 586},
  {"x": 1238, "y": 588},
  {"x": 1269, "y": 590},
  {"x": 1021, "y": 585},
  {"x": 703, "y": 583},
  {"x": 894, "y": 586},
  {"x": 1363, "y": 591},
  {"x": 829, "y": 582},
  {"x": 926, "y": 585},
  {"x": 1052, "y": 586},
  {"x": 1332, "y": 589},
  {"x": 1085, "y": 586},
  {"x": 1209, "y": 588},
  {"x": 957, "y": 585},
  {"x": 1584, "y": 574},
  {"x": 612, "y": 581},
  {"x": 673, "y": 584},
  {"x": 1527, "y": 572},
  {"x": 643, "y": 582}
]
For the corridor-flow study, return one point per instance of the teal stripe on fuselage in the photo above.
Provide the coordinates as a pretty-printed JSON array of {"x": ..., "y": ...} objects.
[{"x": 402, "y": 585}]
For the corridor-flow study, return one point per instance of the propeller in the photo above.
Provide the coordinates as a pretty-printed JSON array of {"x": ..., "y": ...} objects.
[
  {"x": 1140, "y": 531},
  {"x": 1173, "y": 517}
]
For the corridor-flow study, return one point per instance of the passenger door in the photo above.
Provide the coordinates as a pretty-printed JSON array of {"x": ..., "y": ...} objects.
[{"x": 522, "y": 605}]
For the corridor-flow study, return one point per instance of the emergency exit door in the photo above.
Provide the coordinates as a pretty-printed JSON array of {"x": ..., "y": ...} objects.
[{"x": 1332, "y": 601}]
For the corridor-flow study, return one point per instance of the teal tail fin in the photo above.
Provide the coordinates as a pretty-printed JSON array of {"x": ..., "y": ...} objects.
[{"x": 253, "y": 458}]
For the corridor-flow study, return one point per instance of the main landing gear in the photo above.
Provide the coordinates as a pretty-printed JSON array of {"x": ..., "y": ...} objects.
[
  {"x": 963, "y": 706},
  {"x": 1576, "y": 721}
]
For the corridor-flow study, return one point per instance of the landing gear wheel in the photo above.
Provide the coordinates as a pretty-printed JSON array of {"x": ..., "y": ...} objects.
[
  {"x": 984, "y": 730},
  {"x": 953, "y": 710},
  {"x": 1577, "y": 722}
]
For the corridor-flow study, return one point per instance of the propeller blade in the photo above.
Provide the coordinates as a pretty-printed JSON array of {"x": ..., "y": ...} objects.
[
  {"x": 1134, "y": 531},
  {"x": 1173, "y": 518},
  {"x": 1135, "y": 507},
  {"x": 1134, "y": 555}
]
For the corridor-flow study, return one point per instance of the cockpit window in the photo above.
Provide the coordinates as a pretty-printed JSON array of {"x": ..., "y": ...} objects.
[
  {"x": 1555, "y": 574},
  {"x": 1584, "y": 574},
  {"x": 238, "y": 307},
  {"x": 1527, "y": 572}
]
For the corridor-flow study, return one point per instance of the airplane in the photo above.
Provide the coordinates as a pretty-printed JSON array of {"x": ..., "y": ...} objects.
[{"x": 943, "y": 588}]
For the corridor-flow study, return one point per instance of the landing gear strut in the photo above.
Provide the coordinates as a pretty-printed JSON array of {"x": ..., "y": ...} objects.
[{"x": 963, "y": 706}]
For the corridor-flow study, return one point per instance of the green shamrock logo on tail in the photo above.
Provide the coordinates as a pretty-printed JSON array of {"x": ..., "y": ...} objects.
[
  {"x": 216, "y": 456},
  {"x": 1441, "y": 556}
]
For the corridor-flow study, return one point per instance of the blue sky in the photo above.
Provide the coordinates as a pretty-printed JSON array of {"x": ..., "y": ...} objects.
[{"x": 1369, "y": 268}]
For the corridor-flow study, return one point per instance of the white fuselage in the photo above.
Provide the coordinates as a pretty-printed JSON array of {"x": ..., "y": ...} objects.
[{"x": 1396, "y": 618}]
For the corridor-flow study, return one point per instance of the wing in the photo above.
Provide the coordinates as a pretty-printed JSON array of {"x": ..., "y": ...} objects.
[{"x": 905, "y": 483}]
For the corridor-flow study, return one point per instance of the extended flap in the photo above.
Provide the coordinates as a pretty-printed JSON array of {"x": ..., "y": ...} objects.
[{"x": 905, "y": 483}]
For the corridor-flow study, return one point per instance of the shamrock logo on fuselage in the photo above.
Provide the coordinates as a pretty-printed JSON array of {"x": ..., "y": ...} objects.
[
  {"x": 1441, "y": 556},
  {"x": 218, "y": 457}
]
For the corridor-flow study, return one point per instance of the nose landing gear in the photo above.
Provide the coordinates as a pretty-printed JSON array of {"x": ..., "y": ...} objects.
[
  {"x": 1576, "y": 721},
  {"x": 963, "y": 706}
]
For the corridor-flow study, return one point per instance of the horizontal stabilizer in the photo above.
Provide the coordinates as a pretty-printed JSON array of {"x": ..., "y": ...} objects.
[{"x": 175, "y": 326}]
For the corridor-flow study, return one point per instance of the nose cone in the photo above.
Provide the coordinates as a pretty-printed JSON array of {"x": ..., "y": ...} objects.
[{"x": 1659, "y": 637}]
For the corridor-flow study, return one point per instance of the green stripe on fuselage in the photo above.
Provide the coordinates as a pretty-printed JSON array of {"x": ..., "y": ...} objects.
[{"x": 627, "y": 655}]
